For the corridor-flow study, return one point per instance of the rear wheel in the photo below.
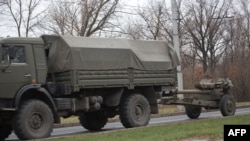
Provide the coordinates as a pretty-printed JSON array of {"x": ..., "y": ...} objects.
[
  {"x": 193, "y": 112},
  {"x": 227, "y": 105},
  {"x": 33, "y": 120},
  {"x": 134, "y": 111},
  {"x": 93, "y": 121},
  {"x": 5, "y": 131}
]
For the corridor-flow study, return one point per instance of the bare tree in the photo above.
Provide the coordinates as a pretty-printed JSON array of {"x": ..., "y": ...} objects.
[
  {"x": 237, "y": 53},
  {"x": 31, "y": 16},
  {"x": 82, "y": 17},
  {"x": 153, "y": 17},
  {"x": 133, "y": 30},
  {"x": 17, "y": 14},
  {"x": 204, "y": 25},
  {"x": 62, "y": 18},
  {"x": 23, "y": 14},
  {"x": 2, "y": 4},
  {"x": 154, "y": 22}
]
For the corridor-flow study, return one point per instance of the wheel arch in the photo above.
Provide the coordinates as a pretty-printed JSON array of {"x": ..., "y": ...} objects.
[
  {"x": 150, "y": 94},
  {"x": 35, "y": 91}
]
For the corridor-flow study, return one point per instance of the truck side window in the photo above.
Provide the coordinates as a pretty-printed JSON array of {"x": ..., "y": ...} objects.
[
  {"x": 19, "y": 55},
  {"x": 5, "y": 55}
]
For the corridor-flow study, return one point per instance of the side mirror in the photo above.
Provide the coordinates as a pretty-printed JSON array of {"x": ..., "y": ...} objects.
[{"x": 12, "y": 53}]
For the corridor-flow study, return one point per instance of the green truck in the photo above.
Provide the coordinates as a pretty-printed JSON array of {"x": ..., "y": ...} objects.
[{"x": 45, "y": 78}]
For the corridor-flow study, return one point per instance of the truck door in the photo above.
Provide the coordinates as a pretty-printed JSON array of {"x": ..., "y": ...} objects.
[{"x": 15, "y": 72}]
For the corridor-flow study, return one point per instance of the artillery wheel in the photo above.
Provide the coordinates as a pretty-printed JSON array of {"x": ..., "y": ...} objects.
[
  {"x": 93, "y": 121},
  {"x": 5, "y": 131},
  {"x": 33, "y": 120},
  {"x": 227, "y": 105},
  {"x": 193, "y": 112},
  {"x": 134, "y": 111}
]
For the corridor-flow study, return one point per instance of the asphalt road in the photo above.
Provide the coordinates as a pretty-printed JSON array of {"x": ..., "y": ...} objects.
[{"x": 66, "y": 131}]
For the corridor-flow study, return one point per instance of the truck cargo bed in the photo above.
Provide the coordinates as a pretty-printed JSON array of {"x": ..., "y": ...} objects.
[{"x": 130, "y": 78}]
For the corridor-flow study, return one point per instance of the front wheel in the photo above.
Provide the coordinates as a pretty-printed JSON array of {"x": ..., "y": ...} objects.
[
  {"x": 227, "y": 105},
  {"x": 33, "y": 120},
  {"x": 5, "y": 131},
  {"x": 134, "y": 111}
]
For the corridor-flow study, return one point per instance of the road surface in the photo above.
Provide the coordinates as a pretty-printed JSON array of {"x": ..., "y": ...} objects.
[{"x": 66, "y": 131}]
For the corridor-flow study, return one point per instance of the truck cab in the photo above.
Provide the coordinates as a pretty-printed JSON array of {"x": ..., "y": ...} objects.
[
  {"x": 22, "y": 63},
  {"x": 22, "y": 70}
]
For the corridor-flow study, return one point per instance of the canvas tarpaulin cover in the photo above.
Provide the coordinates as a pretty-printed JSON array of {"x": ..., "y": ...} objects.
[{"x": 82, "y": 53}]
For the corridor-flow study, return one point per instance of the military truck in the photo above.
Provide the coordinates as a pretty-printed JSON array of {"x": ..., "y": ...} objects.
[{"x": 45, "y": 78}]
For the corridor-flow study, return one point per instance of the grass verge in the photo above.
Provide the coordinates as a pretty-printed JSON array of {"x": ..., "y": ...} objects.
[{"x": 209, "y": 128}]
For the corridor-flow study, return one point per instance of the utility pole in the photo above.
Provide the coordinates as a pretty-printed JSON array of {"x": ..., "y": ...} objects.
[{"x": 175, "y": 17}]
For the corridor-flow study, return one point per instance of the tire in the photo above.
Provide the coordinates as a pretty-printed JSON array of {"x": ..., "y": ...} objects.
[
  {"x": 33, "y": 120},
  {"x": 93, "y": 121},
  {"x": 227, "y": 105},
  {"x": 5, "y": 131},
  {"x": 193, "y": 112},
  {"x": 134, "y": 111}
]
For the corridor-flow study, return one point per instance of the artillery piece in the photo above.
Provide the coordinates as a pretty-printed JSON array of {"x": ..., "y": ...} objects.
[{"x": 208, "y": 94}]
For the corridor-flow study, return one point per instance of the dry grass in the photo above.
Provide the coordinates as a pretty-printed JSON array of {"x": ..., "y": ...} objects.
[
  {"x": 73, "y": 119},
  {"x": 167, "y": 109},
  {"x": 242, "y": 104}
]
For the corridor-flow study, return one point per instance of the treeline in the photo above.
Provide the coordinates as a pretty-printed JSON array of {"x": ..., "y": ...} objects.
[{"x": 214, "y": 34}]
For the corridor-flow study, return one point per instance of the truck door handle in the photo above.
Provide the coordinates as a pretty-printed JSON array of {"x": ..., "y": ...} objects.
[{"x": 27, "y": 75}]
